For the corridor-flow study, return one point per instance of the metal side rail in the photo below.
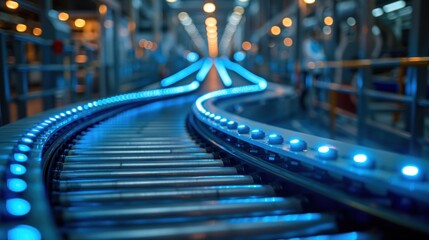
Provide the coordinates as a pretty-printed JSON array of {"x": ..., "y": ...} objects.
[{"x": 390, "y": 190}]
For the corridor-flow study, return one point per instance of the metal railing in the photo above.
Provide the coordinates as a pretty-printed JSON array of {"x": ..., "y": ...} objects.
[
  {"x": 411, "y": 97},
  {"x": 17, "y": 72}
]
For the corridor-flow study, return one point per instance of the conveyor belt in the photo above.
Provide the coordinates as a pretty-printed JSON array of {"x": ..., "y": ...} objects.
[
  {"x": 131, "y": 167},
  {"x": 143, "y": 176}
]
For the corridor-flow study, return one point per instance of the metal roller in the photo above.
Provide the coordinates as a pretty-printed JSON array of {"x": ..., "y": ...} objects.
[
  {"x": 82, "y": 185},
  {"x": 151, "y": 180},
  {"x": 179, "y": 193}
]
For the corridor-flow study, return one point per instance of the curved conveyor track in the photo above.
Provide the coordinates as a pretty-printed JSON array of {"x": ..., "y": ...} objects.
[{"x": 142, "y": 175}]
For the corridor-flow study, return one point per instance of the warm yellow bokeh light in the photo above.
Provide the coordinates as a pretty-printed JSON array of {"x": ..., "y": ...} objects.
[
  {"x": 211, "y": 21},
  {"x": 209, "y": 7},
  {"x": 309, "y": 1},
  {"x": 287, "y": 22},
  {"x": 211, "y": 29},
  {"x": 79, "y": 22},
  {"x": 275, "y": 30},
  {"x": 246, "y": 45},
  {"x": 12, "y": 4},
  {"x": 288, "y": 42},
  {"x": 37, "y": 31},
  {"x": 328, "y": 20},
  {"x": 102, "y": 9},
  {"x": 239, "y": 10},
  {"x": 21, "y": 27},
  {"x": 63, "y": 16}
]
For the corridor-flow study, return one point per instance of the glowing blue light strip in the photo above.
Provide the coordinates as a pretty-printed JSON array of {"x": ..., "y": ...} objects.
[
  {"x": 246, "y": 74},
  {"x": 181, "y": 74},
  {"x": 205, "y": 69},
  {"x": 223, "y": 74}
]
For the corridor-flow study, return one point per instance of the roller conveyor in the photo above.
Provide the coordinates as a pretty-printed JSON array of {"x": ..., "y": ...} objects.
[
  {"x": 144, "y": 166},
  {"x": 147, "y": 189}
]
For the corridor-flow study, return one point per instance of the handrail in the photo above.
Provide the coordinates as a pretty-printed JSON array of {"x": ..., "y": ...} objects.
[{"x": 376, "y": 63}]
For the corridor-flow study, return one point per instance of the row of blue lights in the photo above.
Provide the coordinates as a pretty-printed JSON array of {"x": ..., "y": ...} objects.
[
  {"x": 17, "y": 206},
  {"x": 205, "y": 69},
  {"x": 168, "y": 81},
  {"x": 323, "y": 152},
  {"x": 223, "y": 74}
]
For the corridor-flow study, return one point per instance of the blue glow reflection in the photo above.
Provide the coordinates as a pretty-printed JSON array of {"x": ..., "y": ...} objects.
[
  {"x": 20, "y": 157},
  {"x": 181, "y": 74},
  {"x": 24, "y": 232},
  {"x": 17, "y": 206},
  {"x": 16, "y": 185},
  {"x": 17, "y": 169},
  {"x": 223, "y": 74},
  {"x": 205, "y": 69}
]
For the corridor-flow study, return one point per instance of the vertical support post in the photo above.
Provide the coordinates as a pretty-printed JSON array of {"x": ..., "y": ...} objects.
[
  {"x": 4, "y": 81},
  {"x": 22, "y": 80},
  {"x": 298, "y": 44},
  {"x": 116, "y": 51},
  {"x": 418, "y": 76},
  {"x": 48, "y": 80},
  {"x": 364, "y": 74},
  {"x": 102, "y": 79}
]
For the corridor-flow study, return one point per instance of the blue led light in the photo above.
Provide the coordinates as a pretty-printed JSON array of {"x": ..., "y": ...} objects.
[
  {"x": 74, "y": 110},
  {"x": 223, "y": 74},
  {"x": 217, "y": 118},
  {"x": 26, "y": 140},
  {"x": 275, "y": 139},
  {"x": 20, "y": 157},
  {"x": 412, "y": 172},
  {"x": 223, "y": 122},
  {"x": 205, "y": 69},
  {"x": 52, "y": 119},
  {"x": 297, "y": 145},
  {"x": 182, "y": 74},
  {"x": 362, "y": 160},
  {"x": 327, "y": 152},
  {"x": 243, "y": 129},
  {"x": 232, "y": 125},
  {"x": 57, "y": 117},
  {"x": 207, "y": 114},
  {"x": 35, "y": 130},
  {"x": 62, "y": 114},
  {"x": 23, "y": 148},
  {"x": 212, "y": 115},
  {"x": 68, "y": 112},
  {"x": 85, "y": 107},
  {"x": 192, "y": 56},
  {"x": 79, "y": 108},
  {"x": 17, "y": 169},
  {"x": 24, "y": 232},
  {"x": 17, "y": 206},
  {"x": 90, "y": 105},
  {"x": 30, "y": 134},
  {"x": 257, "y": 134},
  {"x": 16, "y": 185},
  {"x": 45, "y": 124},
  {"x": 239, "y": 56},
  {"x": 47, "y": 121},
  {"x": 40, "y": 127}
]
